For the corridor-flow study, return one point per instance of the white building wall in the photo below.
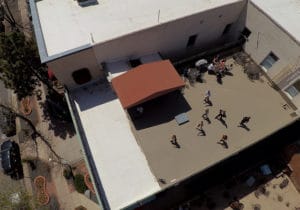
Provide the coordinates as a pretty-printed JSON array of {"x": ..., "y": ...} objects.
[
  {"x": 65, "y": 66},
  {"x": 169, "y": 39},
  {"x": 266, "y": 36}
]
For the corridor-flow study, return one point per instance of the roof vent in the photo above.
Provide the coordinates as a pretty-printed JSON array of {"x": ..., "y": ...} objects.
[{"x": 84, "y": 3}]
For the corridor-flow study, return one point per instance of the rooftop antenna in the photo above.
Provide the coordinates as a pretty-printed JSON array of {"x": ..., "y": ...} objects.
[
  {"x": 92, "y": 38},
  {"x": 158, "y": 15}
]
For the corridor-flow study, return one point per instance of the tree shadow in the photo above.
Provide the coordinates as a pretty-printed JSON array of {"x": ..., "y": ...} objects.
[
  {"x": 42, "y": 168},
  {"x": 53, "y": 203},
  {"x": 61, "y": 127}
]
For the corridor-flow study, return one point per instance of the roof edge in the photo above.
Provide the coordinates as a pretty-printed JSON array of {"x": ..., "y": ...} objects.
[
  {"x": 295, "y": 39},
  {"x": 39, "y": 37},
  {"x": 42, "y": 45},
  {"x": 88, "y": 157},
  {"x": 38, "y": 31}
]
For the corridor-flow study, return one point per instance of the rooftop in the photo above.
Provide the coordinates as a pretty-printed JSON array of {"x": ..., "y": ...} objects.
[
  {"x": 120, "y": 162},
  {"x": 284, "y": 13},
  {"x": 237, "y": 95},
  {"x": 62, "y": 19},
  {"x": 133, "y": 155}
]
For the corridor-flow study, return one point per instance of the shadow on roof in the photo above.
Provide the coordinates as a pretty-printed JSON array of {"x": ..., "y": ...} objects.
[
  {"x": 93, "y": 97},
  {"x": 159, "y": 110}
]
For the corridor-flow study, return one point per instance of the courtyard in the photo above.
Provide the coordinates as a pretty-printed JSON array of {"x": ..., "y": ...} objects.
[{"x": 237, "y": 95}]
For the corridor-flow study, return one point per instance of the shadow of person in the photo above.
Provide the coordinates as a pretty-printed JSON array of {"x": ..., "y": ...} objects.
[
  {"x": 177, "y": 145},
  {"x": 223, "y": 122},
  {"x": 244, "y": 126},
  {"x": 228, "y": 73},
  {"x": 208, "y": 103},
  {"x": 201, "y": 132},
  {"x": 162, "y": 181},
  {"x": 207, "y": 120},
  {"x": 223, "y": 143},
  {"x": 210, "y": 72},
  {"x": 219, "y": 79}
]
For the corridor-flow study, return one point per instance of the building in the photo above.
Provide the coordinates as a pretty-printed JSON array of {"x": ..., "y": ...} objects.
[
  {"x": 88, "y": 46},
  {"x": 274, "y": 43}
]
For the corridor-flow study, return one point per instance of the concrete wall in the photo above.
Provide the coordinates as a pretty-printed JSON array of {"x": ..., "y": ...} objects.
[
  {"x": 268, "y": 37},
  {"x": 65, "y": 66},
  {"x": 169, "y": 39}
]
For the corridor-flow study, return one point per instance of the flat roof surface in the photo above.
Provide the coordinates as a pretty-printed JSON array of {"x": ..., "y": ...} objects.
[
  {"x": 131, "y": 155},
  {"x": 145, "y": 82},
  {"x": 237, "y": 95},
  {"x": 66, "y": 25},
  {"x": 121, "y": 164},
  {"x": 283, "y": 12}
]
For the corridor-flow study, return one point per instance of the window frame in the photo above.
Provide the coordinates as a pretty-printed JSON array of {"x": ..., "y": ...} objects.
[
  {"x": 293, "y": 87},
  {"x": 269, "y": 61}
]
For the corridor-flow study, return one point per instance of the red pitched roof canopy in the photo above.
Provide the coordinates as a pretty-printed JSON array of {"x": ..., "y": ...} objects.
[{"x": 146, "y": 82}]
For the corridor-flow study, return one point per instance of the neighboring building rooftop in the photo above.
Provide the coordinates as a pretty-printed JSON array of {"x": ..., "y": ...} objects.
[
  {"x": 285, "y": 13},
  {"x": 65, "y": 25},
  {"x": 121, "y": 165},
  {"x": 131, "y": 156}
]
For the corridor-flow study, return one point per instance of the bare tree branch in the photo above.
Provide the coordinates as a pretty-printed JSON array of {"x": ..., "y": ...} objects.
[{"x": 36, "y": 133}]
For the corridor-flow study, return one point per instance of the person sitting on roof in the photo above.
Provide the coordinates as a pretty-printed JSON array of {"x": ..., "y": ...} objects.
[
  {"x": 211, "y": 68},
  {"x": 140, "y": 109}
]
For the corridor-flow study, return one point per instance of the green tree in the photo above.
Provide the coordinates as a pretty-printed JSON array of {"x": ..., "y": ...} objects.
[{"x": 20, "y": 66}]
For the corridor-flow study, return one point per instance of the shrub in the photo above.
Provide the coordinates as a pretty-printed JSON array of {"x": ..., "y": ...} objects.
[
  {"x": 79, "y": 183},
  {"x": 68, "y": 174}
]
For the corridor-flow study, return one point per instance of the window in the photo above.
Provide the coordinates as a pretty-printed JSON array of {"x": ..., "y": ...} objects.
[
  {"x": 227, "y": 29},
  {"x": 81, "y": 76},
  {"x": 86, "y": 2},
  {"x": 269, "y": 61},
  {"x": 192, "y": 40},
  {"x": 135, "y": 62},
  {"x": 246, "y": 32},
  {"x": 294, "y": 89}
]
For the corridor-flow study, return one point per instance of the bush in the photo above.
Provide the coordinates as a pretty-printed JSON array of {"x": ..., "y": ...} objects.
[
  {"x": 68, "y": 174},
  {"x": 79, "y": 183}
]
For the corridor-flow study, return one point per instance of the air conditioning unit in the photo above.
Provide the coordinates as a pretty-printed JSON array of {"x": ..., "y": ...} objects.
[{"x": 85, "y": 3}]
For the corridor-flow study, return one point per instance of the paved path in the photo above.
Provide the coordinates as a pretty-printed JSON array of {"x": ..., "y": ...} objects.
[
  {"x": 69, "y": 149},
  {"x": 7, "y": 184}
]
